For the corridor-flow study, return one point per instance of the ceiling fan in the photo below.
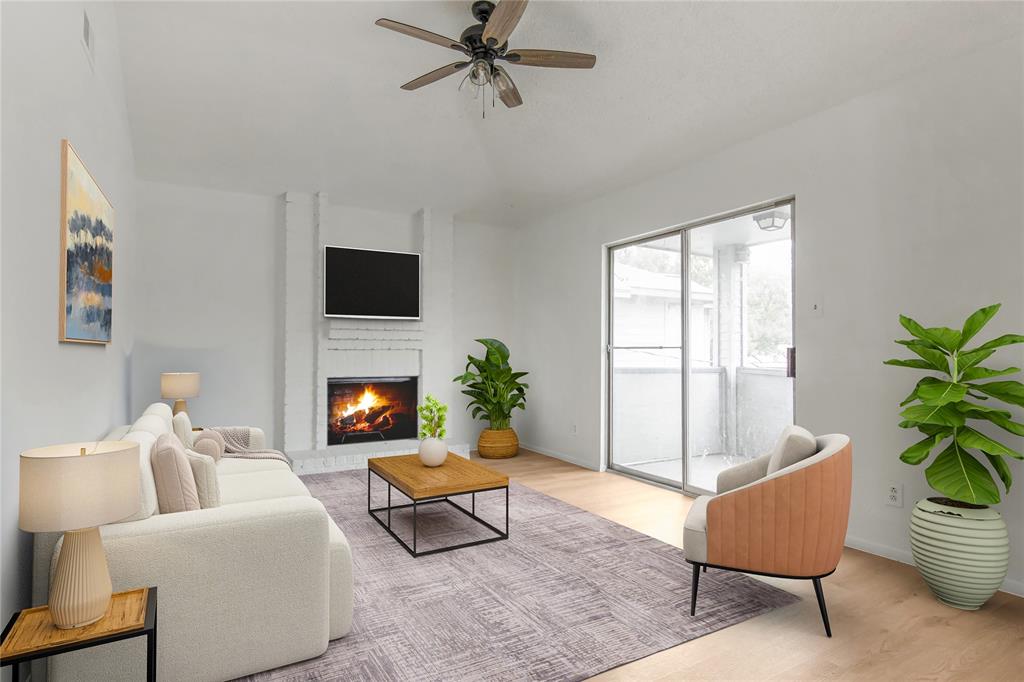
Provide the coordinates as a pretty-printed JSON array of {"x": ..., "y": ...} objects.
[{"x": 484, "y": 44}]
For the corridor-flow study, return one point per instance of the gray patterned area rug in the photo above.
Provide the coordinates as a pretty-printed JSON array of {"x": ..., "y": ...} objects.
[{"x": 567, "y": 596}]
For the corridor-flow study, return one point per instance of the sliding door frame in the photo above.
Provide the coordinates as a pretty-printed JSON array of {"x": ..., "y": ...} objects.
[
  {"x": 611, "y": 348},
  {"x": 683, "y": 230}
]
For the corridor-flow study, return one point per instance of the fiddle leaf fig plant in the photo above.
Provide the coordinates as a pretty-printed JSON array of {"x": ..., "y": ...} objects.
[
  {"x": 494, "y": 388},
  {"x": 943, "y": 406}
]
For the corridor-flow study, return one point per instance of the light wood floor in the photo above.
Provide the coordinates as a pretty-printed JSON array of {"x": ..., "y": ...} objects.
[{"x": 885, "y": 622}]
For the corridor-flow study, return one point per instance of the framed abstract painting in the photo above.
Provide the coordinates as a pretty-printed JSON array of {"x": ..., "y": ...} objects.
[{"x": 86, "y": 254}]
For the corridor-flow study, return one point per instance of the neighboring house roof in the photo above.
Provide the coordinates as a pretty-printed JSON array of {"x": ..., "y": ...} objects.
[{"x": 631, "y": 281}]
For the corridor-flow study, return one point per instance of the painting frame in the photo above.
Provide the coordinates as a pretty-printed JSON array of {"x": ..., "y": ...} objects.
[{"x": 85, "y": 312}]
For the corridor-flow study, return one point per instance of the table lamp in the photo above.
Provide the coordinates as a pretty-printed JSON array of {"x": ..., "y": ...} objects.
[
  {"x": 178, "y": 386},
  {"x": 74, "y": 488}
]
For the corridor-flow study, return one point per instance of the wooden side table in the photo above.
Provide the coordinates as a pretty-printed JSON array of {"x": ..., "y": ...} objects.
[{"x": 31, "y": 634}]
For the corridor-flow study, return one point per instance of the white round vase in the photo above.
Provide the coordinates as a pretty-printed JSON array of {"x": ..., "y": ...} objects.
[
  {"x": 433, "y": 452},
  {"x": 962, "y": 552}
]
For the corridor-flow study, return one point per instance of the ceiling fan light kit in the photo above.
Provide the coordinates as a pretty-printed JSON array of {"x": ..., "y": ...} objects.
[{"x": 486, "y": 42}]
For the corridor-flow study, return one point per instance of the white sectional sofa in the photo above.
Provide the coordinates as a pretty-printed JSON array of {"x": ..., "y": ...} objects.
[{"x": 261, "y": 581}]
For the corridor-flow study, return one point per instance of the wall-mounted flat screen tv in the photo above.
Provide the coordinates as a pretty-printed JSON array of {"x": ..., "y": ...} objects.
[{"x": 371, "y": 284}]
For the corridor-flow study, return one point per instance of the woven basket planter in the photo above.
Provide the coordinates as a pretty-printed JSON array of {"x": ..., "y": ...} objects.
[
  {"x": 498, "y": 443},
  {"x": 962, "y": 553}
]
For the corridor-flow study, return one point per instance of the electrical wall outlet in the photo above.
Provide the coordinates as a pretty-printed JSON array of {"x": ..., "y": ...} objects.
[
  {"x": 572, "y": 429},
  {"x": 894, "y": 494}
]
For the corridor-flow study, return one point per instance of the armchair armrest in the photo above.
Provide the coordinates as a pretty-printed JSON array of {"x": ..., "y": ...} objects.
[
  {"x": 242, "y": 589},
  {"x": 743, "y": 474},
  {"x": 789, "y": 524}
]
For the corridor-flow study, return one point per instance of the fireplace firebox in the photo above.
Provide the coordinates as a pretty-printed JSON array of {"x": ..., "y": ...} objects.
[{"x": 371, "y": 409}]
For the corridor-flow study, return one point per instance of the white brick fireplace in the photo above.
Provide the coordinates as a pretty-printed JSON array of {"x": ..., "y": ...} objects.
[{"x": 316, "y": 348}]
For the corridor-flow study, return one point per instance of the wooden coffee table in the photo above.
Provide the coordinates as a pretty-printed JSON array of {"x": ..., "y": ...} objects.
[{"x": 432, "y": 485}]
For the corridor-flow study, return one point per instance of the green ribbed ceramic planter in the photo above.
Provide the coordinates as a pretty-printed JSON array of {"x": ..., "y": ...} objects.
[{"x": 962, "y": 553}]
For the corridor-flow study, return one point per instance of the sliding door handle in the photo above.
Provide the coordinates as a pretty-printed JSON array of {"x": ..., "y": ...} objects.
[{"x": 791, "y": 362}]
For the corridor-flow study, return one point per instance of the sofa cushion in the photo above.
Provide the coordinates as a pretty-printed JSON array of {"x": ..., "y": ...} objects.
[
  {"x": 214, "y": 441},
  {"x": 152, "y": 424},
  {"x": 204, "y": 470},
  {"x": 162, "y": 410},
  {"x": 147, "y": 486},
  {"x": 175, "y": 482},
  {"x": 260, "y": 485},
  {"x": 182, "y": 424},
  {"x": 229, "y": 466},
  {"x": 795, "y": 444},
  {"x": 695, "y": 531},
  {"x": 118, "y": 432}
]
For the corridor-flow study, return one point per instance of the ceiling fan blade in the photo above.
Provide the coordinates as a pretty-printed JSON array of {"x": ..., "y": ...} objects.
[
  {"x": 551, "y": 58},
  {"x": 422, "y": 34},
  {"x": 507, "y": 90},
  {"x": 502, "y": 21},
  {"x": 435, "y": 75}
]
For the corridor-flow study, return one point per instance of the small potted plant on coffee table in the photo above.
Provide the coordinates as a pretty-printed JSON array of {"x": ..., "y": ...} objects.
[
  {"x": 495, "y": 391},
  {"x": 433, "y": 414},
  {"x": 960, "y": 543}
]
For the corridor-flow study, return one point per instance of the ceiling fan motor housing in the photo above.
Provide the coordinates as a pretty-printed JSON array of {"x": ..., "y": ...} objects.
[{"x": 482, "y": 10}]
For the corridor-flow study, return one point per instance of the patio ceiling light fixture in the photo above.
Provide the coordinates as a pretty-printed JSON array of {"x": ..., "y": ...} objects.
[{"x": 772, "y": 220}]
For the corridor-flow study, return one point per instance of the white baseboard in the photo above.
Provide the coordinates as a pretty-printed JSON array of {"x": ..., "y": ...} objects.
[
  {"x": 904, "y": 556},
  {"x": 560, "y": 455}
]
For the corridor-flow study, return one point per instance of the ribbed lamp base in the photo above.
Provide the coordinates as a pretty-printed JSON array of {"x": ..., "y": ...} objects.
[{"x": 80, "y": 589}]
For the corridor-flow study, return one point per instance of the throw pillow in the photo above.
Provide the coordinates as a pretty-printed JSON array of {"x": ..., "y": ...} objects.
[
  {"x": 204, "y": 469},
  {"x": 213, "y": 439},
  {"x": 795, "y": 444},
  {"x": 172, "y": 473},
  {"x": 183, "y": 428},
  {"x": 208, "y": 447}
]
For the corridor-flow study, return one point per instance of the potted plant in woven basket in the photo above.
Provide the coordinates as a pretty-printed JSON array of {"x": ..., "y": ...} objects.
[
  {"x": 960, "y": 543},
  {"x": 495, "y": 390}
]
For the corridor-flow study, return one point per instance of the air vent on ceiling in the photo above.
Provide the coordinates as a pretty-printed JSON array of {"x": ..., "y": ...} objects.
[{"x": 88, "y": 39}]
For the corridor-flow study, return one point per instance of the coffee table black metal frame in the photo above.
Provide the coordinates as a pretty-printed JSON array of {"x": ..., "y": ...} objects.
[
  {"x": 416, "y": 504},
  {"x": 148, "y": 630}
]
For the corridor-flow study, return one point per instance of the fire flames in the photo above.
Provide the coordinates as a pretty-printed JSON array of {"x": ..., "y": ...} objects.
[{"x": 369, "y": 413}]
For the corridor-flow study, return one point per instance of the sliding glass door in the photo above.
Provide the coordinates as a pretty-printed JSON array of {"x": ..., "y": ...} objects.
[
  {"x": 645, "y": 357},
  {"x": 700, "y": 348}
]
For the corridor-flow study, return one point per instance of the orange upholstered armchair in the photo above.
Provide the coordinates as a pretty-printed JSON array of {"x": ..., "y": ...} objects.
[{"x": 790, "y": 523}]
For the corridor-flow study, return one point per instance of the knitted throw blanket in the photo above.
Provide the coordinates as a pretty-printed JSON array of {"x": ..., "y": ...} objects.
[{"x": 236, "y": 444}]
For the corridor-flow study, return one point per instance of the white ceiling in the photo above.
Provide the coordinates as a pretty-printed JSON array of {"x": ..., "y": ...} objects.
[{"x": 268, "y": 97}]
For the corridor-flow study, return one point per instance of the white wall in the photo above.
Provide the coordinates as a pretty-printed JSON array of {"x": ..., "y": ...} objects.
[
  {"x": 209, "y": 270},
  {"x": 205, "y": 301},
  {"x": 55, "y": 392},
  {"x": 908, "y": 200},
  {"x": 484, "y": 291}
]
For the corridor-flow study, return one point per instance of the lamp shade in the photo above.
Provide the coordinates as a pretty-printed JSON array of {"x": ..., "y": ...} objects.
[
  {"x": 176, "y": 385},
  {"x": 62, "y": 489}
]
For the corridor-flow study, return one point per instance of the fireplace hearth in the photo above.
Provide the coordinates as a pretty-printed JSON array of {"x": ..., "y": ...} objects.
[{"x": 371, "y": 409}]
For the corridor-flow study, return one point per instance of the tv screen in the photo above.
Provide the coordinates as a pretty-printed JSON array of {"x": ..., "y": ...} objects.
[{"x": 365, "y": 283}]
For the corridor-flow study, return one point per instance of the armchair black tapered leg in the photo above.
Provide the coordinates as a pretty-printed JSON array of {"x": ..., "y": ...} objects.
[
  {"x": 704, "y": 569},
  {"x": 693, "y": 589},
  {"x": 821, "y": 604}
]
